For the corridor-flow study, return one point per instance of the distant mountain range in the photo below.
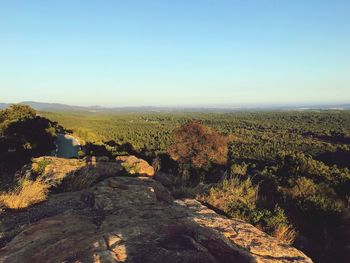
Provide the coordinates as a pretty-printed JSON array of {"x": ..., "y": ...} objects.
[{"x": 58, "y": 107}]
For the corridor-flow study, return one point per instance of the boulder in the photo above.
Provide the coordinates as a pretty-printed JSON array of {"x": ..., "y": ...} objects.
[
  {"x": 134, "y": 219},
  {"x": 136, "y": 166},
  {"x": 57, "y": 171}
]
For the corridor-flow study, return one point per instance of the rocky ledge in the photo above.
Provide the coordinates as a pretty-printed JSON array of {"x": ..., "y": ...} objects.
[{"x": 135, "y": 219}]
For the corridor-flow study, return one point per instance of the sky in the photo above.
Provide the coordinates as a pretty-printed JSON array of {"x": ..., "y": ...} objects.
[{"x": 175, "y": 52}]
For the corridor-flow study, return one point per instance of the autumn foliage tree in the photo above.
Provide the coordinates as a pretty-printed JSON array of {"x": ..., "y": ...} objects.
[{"x": 198, "y": 145}]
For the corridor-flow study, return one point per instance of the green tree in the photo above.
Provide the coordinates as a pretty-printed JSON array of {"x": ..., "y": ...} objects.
[
  {"x": 23, "y": 135},
  {"x": 17, "y": 112}
]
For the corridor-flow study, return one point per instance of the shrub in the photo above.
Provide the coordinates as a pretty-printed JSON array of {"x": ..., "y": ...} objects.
[
  {"x": 27, "y": 193},
  {"x": 39, "y": 167},
  {"x": 238, "y": 198},
  {"x": 239, "y": 169},
  {"x": 303, "y": 188},
  {"x": 234, "y": 196},
  {"x": 276, "y": 219}
]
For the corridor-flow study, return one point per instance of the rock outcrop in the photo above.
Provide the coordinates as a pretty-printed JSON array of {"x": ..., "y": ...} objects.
[
  {"x": 134, "y": 219},
  {"x": 136, "y": 166},
  {"x": 70, "y": 174}
]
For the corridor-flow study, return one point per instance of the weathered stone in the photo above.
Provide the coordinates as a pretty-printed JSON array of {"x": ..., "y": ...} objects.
[
  {"x": 140, "y": 223},
  {"x": 54, "y": 171}
]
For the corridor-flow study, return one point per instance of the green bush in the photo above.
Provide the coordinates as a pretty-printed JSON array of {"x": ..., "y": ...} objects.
[
  {"x": 238, "y": 198},
  {"x": 239, "y": 169},
  {"x": 38, "y": 168}
]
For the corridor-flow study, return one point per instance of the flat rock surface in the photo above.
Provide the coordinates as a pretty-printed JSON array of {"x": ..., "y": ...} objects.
[{"x": 128, "y": 219}]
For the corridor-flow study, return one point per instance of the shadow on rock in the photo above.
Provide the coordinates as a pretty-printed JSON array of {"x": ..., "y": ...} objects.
[{"x": 135, "y": 219}]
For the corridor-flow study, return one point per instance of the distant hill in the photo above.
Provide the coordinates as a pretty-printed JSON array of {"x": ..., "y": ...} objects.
[
  {"x": 42, "y": 106},
  {"x": 59, "y": 107}
]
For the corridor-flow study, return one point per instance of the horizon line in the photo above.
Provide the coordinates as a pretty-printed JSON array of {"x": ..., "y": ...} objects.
[{"x": 219, "y": 105}]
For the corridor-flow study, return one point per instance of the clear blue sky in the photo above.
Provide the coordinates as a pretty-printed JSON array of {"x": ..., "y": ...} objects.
[{"x": 175, "y": 52}]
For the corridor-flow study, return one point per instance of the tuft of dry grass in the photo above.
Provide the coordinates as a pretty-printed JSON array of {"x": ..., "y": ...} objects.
[
  {"x": 54, "y": 168},
  {"x": 27, "y": 193},
  {"x": 285, "y": 234}
]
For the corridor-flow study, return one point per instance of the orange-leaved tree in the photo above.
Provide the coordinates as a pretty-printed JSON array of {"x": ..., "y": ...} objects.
[{"x": 198, "y": 145}]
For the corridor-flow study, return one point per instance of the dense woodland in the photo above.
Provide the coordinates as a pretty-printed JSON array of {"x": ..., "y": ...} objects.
[
  {"x": 286, "y": 172},
  {"x": 253, "y": 136}
]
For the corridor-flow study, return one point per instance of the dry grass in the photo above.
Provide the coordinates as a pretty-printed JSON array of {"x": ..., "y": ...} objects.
[
  {"x": 56, "y": 168},
  {"x": 27, "y": 193},
  {"x": 285, "y": 234}
]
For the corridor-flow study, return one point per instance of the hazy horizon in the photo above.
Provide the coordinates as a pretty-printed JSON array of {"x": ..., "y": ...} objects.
[
  {"x": 199, "y": 106},
  {"x": 183, "y": 53}
]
